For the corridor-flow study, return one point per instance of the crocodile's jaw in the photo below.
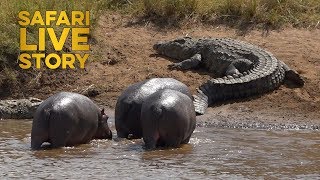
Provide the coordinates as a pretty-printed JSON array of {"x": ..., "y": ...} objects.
[
  {"x": 158, "y": 47},
  {"x": 176, "y": 50}
]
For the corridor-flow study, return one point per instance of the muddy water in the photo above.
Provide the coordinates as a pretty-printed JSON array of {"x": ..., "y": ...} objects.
[{"x": 212, "y": 152}]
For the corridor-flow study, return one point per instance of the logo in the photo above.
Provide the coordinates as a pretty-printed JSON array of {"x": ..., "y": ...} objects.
[{"x": 75, "y": 26}]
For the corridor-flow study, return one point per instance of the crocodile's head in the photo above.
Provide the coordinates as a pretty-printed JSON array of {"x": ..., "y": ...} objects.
[
  {"x": 35, "y": 103},
  {"x": 28, "y": 107},
  {"x": 181, "y": 48},
  {"x": 19, "y": 109}
]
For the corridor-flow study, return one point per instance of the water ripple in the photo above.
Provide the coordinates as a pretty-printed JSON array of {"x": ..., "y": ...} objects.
[{"x": 213, "y": 153}]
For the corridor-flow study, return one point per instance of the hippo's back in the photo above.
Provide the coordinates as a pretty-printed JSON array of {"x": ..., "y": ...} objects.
[
  {"x": 168, "y": 119},
  {"x": 128, "y": 107},
  {"x": 141, "y": 90},
  {"x": 64, "y": 119},
  {"x": 65, "y": 98}
]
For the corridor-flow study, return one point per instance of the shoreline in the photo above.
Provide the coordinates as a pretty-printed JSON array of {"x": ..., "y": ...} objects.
[{"x": 213, "y": 119}]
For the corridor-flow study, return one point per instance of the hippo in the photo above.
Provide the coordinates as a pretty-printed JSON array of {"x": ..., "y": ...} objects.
[
  {"x": 128, "y": 106},
  {"x": 168, "y": 119},
  {"x": 68, "y": 119}
]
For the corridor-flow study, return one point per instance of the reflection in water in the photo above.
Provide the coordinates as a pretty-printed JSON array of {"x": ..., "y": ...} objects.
[
  {"x": 212, "y": 152},
  {"x": 177, "y": 153}
]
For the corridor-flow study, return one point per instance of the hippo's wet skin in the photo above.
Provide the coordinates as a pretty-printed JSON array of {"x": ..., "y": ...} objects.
[
  {"x": 128, "y": 107},
  {"x": 67, "y": 119},
  {"x": 168, "y": 119}
]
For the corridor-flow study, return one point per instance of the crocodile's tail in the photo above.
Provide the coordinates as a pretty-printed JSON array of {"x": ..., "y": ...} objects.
[
  {"x": 200, "y": 102},
  {"x": 267, "y": 74},
  {"x": 244, "y": 85}
]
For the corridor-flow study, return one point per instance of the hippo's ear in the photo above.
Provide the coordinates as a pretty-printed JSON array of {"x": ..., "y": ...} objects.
[{"x": 104, "y": 114}]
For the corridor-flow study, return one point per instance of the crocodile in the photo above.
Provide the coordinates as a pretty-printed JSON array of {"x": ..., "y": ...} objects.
[
  {"x": 19, "y": 108},
  {"x": 240, "y": 69}
]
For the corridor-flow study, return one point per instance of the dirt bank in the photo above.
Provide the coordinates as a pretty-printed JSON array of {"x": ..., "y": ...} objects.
[{"x": 127, "y": 57}]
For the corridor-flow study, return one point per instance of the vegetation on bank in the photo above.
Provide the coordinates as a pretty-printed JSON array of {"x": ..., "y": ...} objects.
[
  {"x": 272, "y": 13},
  {"x": 10, "y": 73},
  {"x": 236, "y": 13}
]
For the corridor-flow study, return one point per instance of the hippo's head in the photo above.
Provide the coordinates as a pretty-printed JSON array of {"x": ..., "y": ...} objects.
[
  {"x": 103, "y": 131},
  {"x": 180, "y": 49}
]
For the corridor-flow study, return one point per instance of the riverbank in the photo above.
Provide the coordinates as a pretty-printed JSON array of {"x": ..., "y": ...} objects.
[
  {"x": 123, "y": 53},
  {"x": 129, "y": 49}
]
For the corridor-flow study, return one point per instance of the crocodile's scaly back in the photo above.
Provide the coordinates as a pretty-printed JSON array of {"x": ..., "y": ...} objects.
[
  {"x": 267, "y": 75},
  {"x": 251, "y": 69}
]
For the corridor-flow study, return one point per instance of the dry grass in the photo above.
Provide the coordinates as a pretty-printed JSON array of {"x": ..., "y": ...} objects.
[{"x": 274, "y": 13}]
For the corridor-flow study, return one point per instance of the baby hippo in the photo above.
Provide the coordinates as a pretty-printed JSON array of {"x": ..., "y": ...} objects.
[
  {"x": 168, "y": 119},
  {"x": 67, "y": 119}
]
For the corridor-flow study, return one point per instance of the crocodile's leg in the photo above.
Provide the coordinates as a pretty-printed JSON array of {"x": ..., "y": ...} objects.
[
  {"x": 238, "y": 66},
  {"x": 231, "y": 69},
  {"x": 193, "y": 62}
]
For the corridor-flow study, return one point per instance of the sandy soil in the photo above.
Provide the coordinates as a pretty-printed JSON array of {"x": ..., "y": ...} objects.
[{"x": 127, "y": 57}]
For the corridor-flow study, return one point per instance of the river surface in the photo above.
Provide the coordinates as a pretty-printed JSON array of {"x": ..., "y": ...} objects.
[{"x": 213, "y": 153}]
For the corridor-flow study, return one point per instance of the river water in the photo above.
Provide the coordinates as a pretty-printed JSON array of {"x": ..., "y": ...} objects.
[{"x": 213, "y": 153}]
